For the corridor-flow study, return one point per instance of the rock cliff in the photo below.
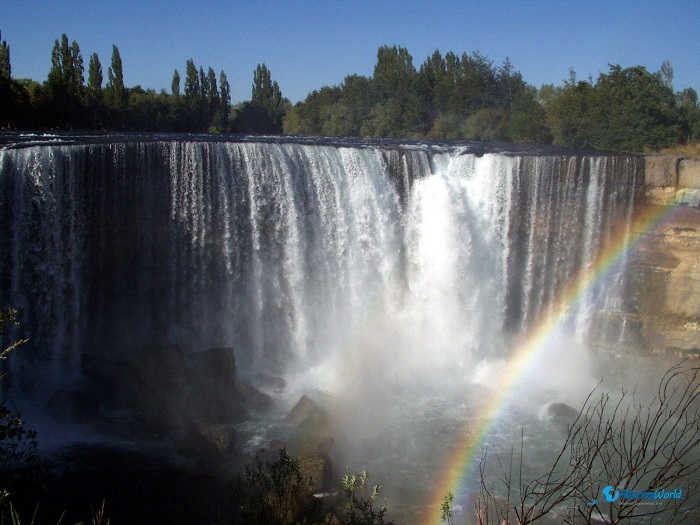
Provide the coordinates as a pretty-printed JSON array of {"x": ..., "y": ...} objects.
[{"x": 660, "y": 312}]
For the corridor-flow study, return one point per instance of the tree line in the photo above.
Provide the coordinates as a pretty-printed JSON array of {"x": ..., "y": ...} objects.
[
  {"x": 468, "y": 97},
  {"x": 67, "y": 101},
  {"x": 446, "y": 97}
]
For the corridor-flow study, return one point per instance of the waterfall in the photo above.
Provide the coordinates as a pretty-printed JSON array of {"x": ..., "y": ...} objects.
[{"x": 286, "y": 250}]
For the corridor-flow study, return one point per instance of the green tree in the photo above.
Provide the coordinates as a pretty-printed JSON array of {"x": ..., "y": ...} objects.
[
  {"x": 95, "y": 74},
  {"x": 394, "y": 72},
  {"x": 262, "y": 86},
  {"x": 5, "y": 67},
  {"x": 193, "y": 96},
  {"x": 396, "y": 112},
  {"x": 338, "y": 120},
  {"x": 359, "y": 508},
  {"x": 78, "y": 68},
  {"x": 571, "y": 115},
  {"x": 8, "y": 96},
  {"x": 488, "y": 125},
  {"x": 67, "y": 66},
  {"x": 148, "y": 111},
  {"x": 212, "y": 94},
  {"x": 267, "y": 105},
  {"x": 386, "y": 120},
  {"x": 276, "y": 493},
  {"x": 203, "y": 86},
  {"x": 220, "y": 121},
  {"x": 634, "y": 110},
  {"x": 225, "y": 91},
  {"x": 115, "y": 85},
  {"x": 191, "y": 80},
  {"x": 19, "y": 460},
  {"x": 547, "y": 94},
  {"x": 528, "y": 118},
  {"x": 94, "y": 90},
  {"x": 626, "y": 110},
  {"x": 476, "y": 85},
  {"x": 175, "y": 85},
  {"x": 65, "y": 105},
  {"x": 689, "y": 114},
  {"x": 308, "y": 117},
  {"x": 666, "y": 73},
  {"x": 434, "y": 87}
]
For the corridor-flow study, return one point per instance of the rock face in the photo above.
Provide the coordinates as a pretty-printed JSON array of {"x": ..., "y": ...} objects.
[
  {"x": 662, "y": 303},
  {"x": 689, "y": 173},
  {"x": 672, "y": 180},
  {"x": 206, "y": 441},
  {"x": 562, "y": 411},
  {"x": 660, "y": 311},
  {"x": 163, "y": 391},
  {"x": 147, "y": 381},
  {"x": 311, "y": 441},
  {"x": 305, "y": 413},
  {"x": 212, "y": 393}
]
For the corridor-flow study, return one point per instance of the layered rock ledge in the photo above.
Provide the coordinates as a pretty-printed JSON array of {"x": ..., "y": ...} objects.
[{"x": 660, "y": 310}]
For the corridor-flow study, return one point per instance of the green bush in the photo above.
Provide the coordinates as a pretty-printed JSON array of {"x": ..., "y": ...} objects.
[{"x": 275, "y": 493}]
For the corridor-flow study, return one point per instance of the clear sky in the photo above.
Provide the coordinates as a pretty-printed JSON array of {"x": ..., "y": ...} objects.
[{"x": 311, "y": 43}]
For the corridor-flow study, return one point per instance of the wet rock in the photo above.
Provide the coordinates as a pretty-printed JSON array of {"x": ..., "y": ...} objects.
[
  {"x": 562, "y": 411},
  {"x": 251, "y": 397},
  {"x": 318, "y": 469},
  {"x": 271, "y": 382},
  {"x": 206, "y": 441},
  {"x": 148, "y": 381},
  {"x": 216, "y": 394},
  {"x": 306, "y": 413},
  {"x": 311, "y": 425},
  {"x": 157, "y": 390},
  {"x": 212, "y": 395}
]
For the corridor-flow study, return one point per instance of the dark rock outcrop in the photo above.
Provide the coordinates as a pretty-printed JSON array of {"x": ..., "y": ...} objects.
[
  {"x": 319, "y": 470},
  {"x": 562, "y": 411},
  {"x": 212, "y": 393},
  {"x": 206, "y": 441},
  {"x": 148, "y": 381},
  {"x": 163, "y": 391},
  {"x": 306, "y": 414}
]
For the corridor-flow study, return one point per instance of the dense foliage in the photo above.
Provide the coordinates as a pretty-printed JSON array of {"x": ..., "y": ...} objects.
[
  {"x": 19, "y": 461},
  {"x": 66, "y": 101},
  {"x": 467, "y": 97},
  {"x": 279, "y": 493},
  {"x": 446, "y": 97}
]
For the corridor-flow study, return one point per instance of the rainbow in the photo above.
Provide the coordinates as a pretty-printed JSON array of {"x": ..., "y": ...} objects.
[{"x": 531, "y": 348}]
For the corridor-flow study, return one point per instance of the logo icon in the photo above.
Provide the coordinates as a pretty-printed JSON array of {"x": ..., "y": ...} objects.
[{"x": 610, "y": 493}]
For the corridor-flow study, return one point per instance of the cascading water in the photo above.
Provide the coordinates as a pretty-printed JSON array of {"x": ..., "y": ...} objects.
[
  {"x": 282, "y": 250},
  {"x": 388, "y": 274}
]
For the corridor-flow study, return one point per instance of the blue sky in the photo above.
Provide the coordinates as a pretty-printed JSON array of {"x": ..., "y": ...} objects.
[{"x": 311, "y": 43}]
